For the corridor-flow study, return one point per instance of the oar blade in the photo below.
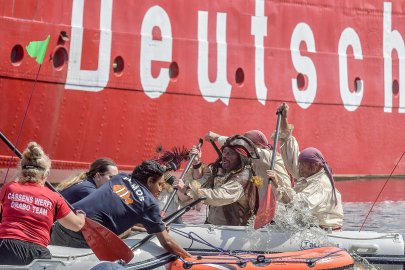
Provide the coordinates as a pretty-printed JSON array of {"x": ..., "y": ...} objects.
[
  {"x": 267, "y": 209},
  {"x": 106, "y": 245}
]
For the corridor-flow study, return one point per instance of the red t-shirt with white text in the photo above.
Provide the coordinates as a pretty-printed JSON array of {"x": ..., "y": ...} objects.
[{"x": 28, "y": 211}]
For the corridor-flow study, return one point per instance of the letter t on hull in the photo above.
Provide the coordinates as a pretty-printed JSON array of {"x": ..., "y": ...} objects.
[{"x": 259, "y": 31}]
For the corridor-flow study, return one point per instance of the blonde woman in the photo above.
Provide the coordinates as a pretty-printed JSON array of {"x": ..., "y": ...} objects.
[
  {"x": 28, "y": 209},
  {"x": 79, "y": 186}
]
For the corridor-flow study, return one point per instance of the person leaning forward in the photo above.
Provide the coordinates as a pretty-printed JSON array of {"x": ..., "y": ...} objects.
[
  {"x": 28, "y": 208},
  {"x": 122, "y": 202},
  {"x": 315, "y": 186}
]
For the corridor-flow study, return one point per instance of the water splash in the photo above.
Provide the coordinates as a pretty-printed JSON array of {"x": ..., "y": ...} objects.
[
  {"x": 297, "y": 222},
  {"x": 361, "y": 263}
]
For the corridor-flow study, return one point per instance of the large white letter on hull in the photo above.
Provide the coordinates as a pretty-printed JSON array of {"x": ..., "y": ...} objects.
[
  {"x": 155, "y": 50},
  {"x": 259, "y": 31},
  {"x": 392, "y": 40},
  {"x": 89, "y": 80},
  {"x": 351, "y": 100},
  {"x": 303, "y": 33},
  {"x": 220, "y": 89}
]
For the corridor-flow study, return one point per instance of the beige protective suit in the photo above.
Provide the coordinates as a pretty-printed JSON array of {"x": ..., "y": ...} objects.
[
  {"x": 315, "y": 191},
  {"x": 231, "y": 197},
  {"x": 261, "y": 165}
]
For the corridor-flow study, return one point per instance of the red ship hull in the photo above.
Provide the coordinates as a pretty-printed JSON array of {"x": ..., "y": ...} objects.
[{"x": 121, "y": 77}]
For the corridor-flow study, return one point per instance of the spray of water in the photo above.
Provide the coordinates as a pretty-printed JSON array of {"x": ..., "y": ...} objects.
[
  {"x": 296, "y": 221},
  {"x": 361, "y": 263}
]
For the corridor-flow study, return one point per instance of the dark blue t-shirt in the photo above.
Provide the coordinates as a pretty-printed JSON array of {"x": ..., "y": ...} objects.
[
  {"x": 77, "y": 192},
  {"x": 120, "y": 203}
]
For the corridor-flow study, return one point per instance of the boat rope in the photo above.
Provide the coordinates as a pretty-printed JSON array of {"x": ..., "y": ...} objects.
[
  {"x": 385, "y": 236},
  {"x": 241, "y": 262},
  {"x": 382, "y": 189},
  {"x": 72, "y": 257},
  {"x": 22, "y": 122},
  {"x": 196, "y": 238}
]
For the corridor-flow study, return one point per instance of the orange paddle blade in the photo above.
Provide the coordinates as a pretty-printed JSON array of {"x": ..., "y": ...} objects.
[
  {"x": 267, "y": 209},
  {"x": 106, "y": 245}
]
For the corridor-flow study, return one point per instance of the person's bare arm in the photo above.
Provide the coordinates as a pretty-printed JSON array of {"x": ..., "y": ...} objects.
[
  {"x": 72, "y": 221},
  {"x": 170, "y": 244},
  {"x": 138, "y": 228},
  {"x": 125, "y": 234},
  {"x": 134, "y": 228}
]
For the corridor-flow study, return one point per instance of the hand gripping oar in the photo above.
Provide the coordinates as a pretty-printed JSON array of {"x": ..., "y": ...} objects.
[
  {"x": 105, "y": 244},
  {"x": 168, "y": 220},
  {"x": 200, "y": 143},
  {"x": 267, "y": 206}
]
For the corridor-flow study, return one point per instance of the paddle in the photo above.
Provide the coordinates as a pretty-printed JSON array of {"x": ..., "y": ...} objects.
[
  {"x": 168, "y": 220},
  {"x": 105, "y": 244},
  {"x": 267, "y": 206},
  {"x": 200, "y": 143}
]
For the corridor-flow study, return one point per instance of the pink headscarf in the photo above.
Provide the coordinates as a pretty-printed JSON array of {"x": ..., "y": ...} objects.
[
  {"x": 258, "y": 138},
  {"x": 313, "y": 155}
]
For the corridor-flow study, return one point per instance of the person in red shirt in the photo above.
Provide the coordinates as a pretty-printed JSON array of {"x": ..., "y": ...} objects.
[{"x": 28, "y": 209}]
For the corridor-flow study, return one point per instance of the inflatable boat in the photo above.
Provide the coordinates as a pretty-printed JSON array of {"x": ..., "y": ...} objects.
[
  {"x": 317, "y": 258},
  {"x": 202, "y": 239}
]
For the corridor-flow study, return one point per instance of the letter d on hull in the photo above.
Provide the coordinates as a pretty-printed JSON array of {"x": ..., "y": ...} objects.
[{"x": 89, "y": 80}]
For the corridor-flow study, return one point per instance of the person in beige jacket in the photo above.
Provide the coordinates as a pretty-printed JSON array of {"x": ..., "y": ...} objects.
[
  {"x": 262, "y": 164},
  {"x": 315, "y": 187},
  {"x": 230, "y": 192}
]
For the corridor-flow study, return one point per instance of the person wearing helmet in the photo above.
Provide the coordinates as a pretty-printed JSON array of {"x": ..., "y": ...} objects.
[
  {"x": 228, "y": 183},
  {"x": 262, "y": 164}
]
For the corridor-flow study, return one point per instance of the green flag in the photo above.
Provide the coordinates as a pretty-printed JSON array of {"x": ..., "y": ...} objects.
[{"x": 37, "y": 49}]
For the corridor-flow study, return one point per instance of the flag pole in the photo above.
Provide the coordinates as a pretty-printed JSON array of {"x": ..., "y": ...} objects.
[{"x": 35, "y": 49}]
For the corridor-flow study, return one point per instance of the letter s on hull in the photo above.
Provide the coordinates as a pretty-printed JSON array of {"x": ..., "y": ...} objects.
[{"x": 303, "y": 64}]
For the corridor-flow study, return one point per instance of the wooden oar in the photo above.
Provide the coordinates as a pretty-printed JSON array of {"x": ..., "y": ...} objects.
[
  {"x": 267, "y": 206},
  {"x": 105, "y": 244},
  {"x": 172, "y": 217},
  {"x": 200, "y": 143}
]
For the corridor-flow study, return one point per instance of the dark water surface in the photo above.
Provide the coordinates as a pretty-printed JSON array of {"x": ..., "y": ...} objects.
[{"x": 385, "y": 216}]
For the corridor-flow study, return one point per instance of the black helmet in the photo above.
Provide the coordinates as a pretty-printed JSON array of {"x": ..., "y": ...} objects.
[{"x": 242, "y": 145}]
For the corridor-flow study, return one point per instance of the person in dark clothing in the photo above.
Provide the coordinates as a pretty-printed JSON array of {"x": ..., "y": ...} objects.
[
  {"x": 79, "y": 186},
  {"x": 122, "y": 202}
]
